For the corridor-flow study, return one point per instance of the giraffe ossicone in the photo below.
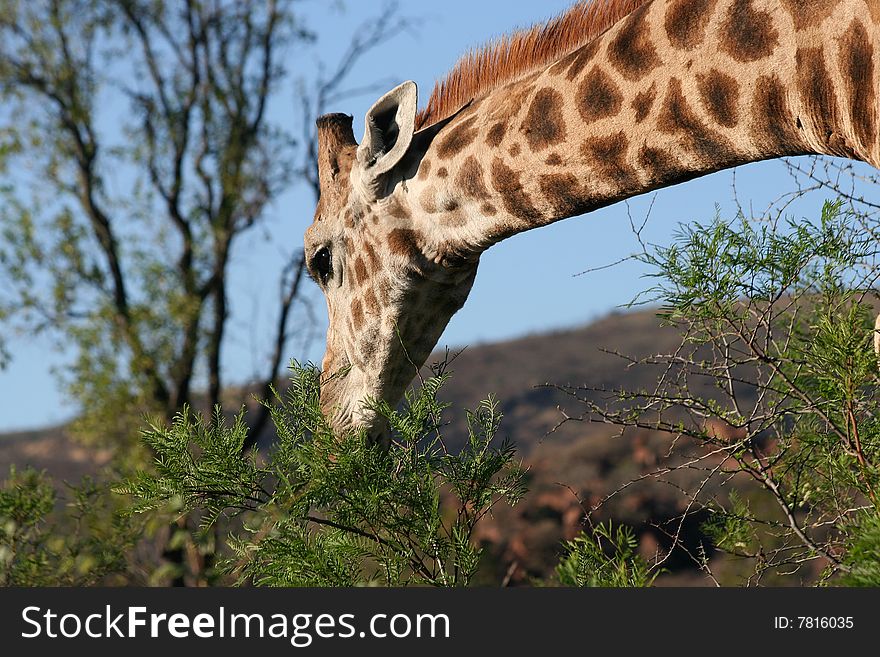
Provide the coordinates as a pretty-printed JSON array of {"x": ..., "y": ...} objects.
[{"x": 610, "y": 100}]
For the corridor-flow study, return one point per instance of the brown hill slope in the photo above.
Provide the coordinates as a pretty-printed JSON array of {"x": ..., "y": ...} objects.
[
  {"x": 522, "y": 373},
  {"x": 578, "y": 466}
]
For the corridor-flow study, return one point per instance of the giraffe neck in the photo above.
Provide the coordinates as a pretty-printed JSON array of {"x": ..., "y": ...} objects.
[{"x": 676, "y": 90}]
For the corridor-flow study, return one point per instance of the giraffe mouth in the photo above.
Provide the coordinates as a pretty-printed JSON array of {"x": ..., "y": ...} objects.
[
  {"x": 342, "y": 402},
  {"x": 379, "y": 435}
]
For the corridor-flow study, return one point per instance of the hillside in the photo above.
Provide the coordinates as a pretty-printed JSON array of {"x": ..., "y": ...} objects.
[
  {"x": 576, "y": 466},
  {"x": 570, "y": 469},
  {"x": 524, "y": 374}
]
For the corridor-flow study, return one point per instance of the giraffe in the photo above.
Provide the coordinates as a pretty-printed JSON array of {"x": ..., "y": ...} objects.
[{"x": 612, "y": 99}]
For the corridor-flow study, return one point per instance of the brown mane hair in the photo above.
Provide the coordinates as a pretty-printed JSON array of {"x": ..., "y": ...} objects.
[{"x": 515, "y": 55}]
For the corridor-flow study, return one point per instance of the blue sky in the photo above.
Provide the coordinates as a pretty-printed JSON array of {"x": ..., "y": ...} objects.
[{"x": 528, "y": 284}]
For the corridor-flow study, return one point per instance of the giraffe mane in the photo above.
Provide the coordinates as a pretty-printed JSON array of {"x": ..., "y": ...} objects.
[{"x": 515, "y": 55}]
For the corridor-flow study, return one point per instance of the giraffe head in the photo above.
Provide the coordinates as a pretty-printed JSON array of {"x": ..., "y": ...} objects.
[{"x": 390, "y": 288}]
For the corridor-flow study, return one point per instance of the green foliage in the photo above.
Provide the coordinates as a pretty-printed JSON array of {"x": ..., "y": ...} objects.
[
  {"x": 327, "y": 510},
  {"x": 606, "y": 557},
  {"x": 137, "y": 155},
  {"x": 862, "y": 557},
  {"x": 777, "y": 315},
  {"x": 710, "y": 269},
  {"x": 39, "y": 548},
  {"x": 732, "y": 529}
]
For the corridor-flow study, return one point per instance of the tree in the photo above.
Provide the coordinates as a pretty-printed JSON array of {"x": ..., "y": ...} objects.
[
  {"x": 203, "y": 165},
  {"x": 118, "y": 238},
  {"x": 775, "y": 381},
  {"x": 138, "y": 148}
]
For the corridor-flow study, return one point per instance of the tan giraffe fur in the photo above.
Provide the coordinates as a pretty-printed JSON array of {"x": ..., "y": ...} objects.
[{"x": 673, "y": 90}]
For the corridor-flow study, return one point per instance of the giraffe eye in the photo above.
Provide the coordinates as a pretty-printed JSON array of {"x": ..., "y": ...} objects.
[{"x": 321, "y": 265}]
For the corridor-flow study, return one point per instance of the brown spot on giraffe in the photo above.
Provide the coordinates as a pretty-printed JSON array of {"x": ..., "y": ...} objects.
[
  {"x": 470, "y": 179},
  {"x": 357, "y": 315},
  {"x": 719, "y": 93},
  {"x": 424, "y": 169},
  {"x": 371, "y": 303},
  {"x": 677, "y": 118},
  {"x": 459, "y": 137},
  {"x": 544, "y": 125},
  {"x": 428, "y": 200},
  {"x": 383, "y": 290},
  {"x": 562, "y": 191},
  {"x": 506, "y": 181},
  {"x": 442, "y": 172},
  {"x": 405, "y": 242},
  {"x": 488, "y": 209},
  {"x": 631, "y": 52},
  {"x": 360, "y": 271},
  {"x": 577, "y": 61},
  {"x": 661, "y": 166},
  {"x": 819, "y": 99},
  {"x": 496, "y": 134},
  {"x": 368, "y": 347},
  {"x": 597, "y": 96},
  {"x": 514, "y": 102},
  {"x": 453, "y": 217},
  {"x": 686, "y": 22},
  {"x": 808, "y": 14},
  {"x": 396, "y": 209},
  {"x": 857, "y": 67},
  {"x": 553, "y": 160},
  {"x": 643, "y": 102},
  {"x": 607, "y": 155},
  {"x": 747, "y": 34},
  {"x": 372, "y": 257},
  {"x": 514, "y": 150},
  {"x": 774, "y": 127}
]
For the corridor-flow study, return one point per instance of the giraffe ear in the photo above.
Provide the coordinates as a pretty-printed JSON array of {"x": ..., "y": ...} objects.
[{"x": 388, "y": 132}]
